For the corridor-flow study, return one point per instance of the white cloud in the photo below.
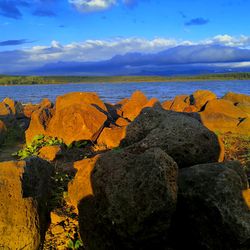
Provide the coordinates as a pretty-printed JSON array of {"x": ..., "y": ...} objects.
[
  {"x": 96, "y": 50},
  {"x": 92, "y": 5}
]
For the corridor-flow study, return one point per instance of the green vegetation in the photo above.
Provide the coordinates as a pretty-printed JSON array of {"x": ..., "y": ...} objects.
[
  {"x": 38, "y": 142},
  {"x": 29, "y": 80},
  {"x": 74, "y": 244}
]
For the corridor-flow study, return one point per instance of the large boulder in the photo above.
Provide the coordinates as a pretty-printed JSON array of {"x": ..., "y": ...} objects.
[
  {"x": 200, "y": 98},
  {"x": 243, "y": 127},
  {"x": 245, "y": 107},
  {"x": 212, "y": 211},
  {"x": 38, "y": 124},
  {"x": 78, "y": 116},
  {"x": 134, "y": 197},
  {"x": 50, "y": 153},
  {"x": 224, "y": 107},
  {"x": 236, "y": 98},
  {"x": 184, "y": 138},
  {"x": 132, "y": 108},
  {"x": 24, "y": 193}
]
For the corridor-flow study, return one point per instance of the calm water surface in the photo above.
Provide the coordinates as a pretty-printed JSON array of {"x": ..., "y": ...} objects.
[{"x": 110, "y": 92}]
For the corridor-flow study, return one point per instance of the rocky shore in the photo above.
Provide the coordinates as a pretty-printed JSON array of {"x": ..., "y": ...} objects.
[{"x": 138, "y": 174}]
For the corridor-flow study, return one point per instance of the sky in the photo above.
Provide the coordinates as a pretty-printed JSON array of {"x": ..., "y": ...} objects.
[{"x": 34, "y": 33}]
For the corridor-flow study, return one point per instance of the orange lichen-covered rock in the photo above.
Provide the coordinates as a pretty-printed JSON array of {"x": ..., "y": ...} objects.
[
  {"x": 111, "y": 137},
  {"x": 237, "y": 98},
  {"x": 121, "y": 122},
  {"x": 38, "y": 124},
  {"x": 245, "y": 107},
  {"x": 167, "y": 104},
  {"x": 81, "y": 186},
  {"x": 49, "y": 152},
  {"x": 244, "y": 127},
  {"x": 29, "y": 108},
  {"x": 246, "y": 196},
  {"x": 200, "y": 97},
  {"x": 15, "y": 107},
  {"x": 180, "y": 103},
  {"x": 218, "y": 122},
  {"x": 151, "y": 102},
  {"x": 4, "y": 109},
  {"x": 132, "y": 108},
  {"x": 190, "y": 109},
  {"x": 78, "y": 116},
  {"x": 224, "y": 107},
  {"x": 24, "y": 192}
]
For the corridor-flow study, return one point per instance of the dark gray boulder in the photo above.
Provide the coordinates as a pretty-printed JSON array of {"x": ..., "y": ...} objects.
[
  {"x": 134, "y": 197},
  {"x": 211, "y": 210},
  {"x": 182, "y": 137}
]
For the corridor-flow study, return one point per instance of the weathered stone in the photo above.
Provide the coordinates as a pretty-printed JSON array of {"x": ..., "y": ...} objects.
[
  {"x": 38, "y": 124},
  {"x": 190, "y": 109},
  {"x": 180, "y": 103},
  {"x": 225, "y": 107},
  {"x": 132, "y": 108},
  {"x": 24, "y": 192},
  {"x": 49, "y": 152},
  {"x": 15, "y": 107},
  {"x": 237, "y": 98},
  {"x": 200, "y": 98},
  {"x": 185, "y": 139},
  {"x": 4, "y": 109},
  {"x": 111, "y": 137},
  {"x": 78, "y": 116},
  {"x": 134, "y": 197},
  {"x": 81, "y": 186},
  {"x": 244, "y": 127},
  {"x": 121, "y": 122},
  {"x": 3, "y": 131},
  {"x": 219, "y": 122},
  {"x": 167, "y": 104},
  {"x": 211, "y": 210},
  {"x": 245, "y": 107}
]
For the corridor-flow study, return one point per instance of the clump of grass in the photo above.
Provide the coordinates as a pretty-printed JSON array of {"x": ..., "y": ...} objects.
[{"x": 38, "y": 142}]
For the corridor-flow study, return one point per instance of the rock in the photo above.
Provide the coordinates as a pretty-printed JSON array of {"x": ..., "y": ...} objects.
[
  {"x": 111, "y": 137},
  {"x": 224, "y": 107},
  {"x": 81, "y": 186},
  {"x": 24, "y": 193},
  {"x": 38, "y": 124},
  {"x": 29, "y": 108},
  {"x": 246, "y": 197},
  {"x": 121, "y": 122},
  {"x": 3, "y": 131},
  {"x": 200, "y": 98},
  {"x": 4, "y": 109},
  {"x": 15, "y": 107},
  {"x": 237, "y": 98},
  {"x": 167, "y": 104},
  {"x": 219, "y": 123},
  {"x": 58, "y": 229},
  {"x": 152, "y": 102},
  {"x": 78, "y": 116},
  {"x": 245, "y": 107},
  {"x": 134, "y": 197},
  {"x": 190, "y": 109},
  {"x": 49, "y": 152},
  {"x": 211, "y": 211},
  {"x": 180, "y": 103},
  {"x": 185, "y": 139},
  {"x": 132, "y": 108},
  {"x": 244, "y": 127}
]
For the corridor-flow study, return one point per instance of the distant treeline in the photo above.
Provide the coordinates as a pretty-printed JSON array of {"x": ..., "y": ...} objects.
[{"x": 29, "y": 80}]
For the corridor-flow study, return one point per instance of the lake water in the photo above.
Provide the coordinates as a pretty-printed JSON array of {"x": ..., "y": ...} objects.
[{"x": 113, "y": 92}]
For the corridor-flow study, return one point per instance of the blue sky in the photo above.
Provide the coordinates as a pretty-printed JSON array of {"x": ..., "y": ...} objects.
[{"x": 36, "y": 32}]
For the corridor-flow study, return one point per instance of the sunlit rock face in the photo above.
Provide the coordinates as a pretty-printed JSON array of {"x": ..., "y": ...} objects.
[
  {"x": 24, "y": 193},
  {"x": 213, "y": 208},
  {"x": 78, "y": 116}
]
